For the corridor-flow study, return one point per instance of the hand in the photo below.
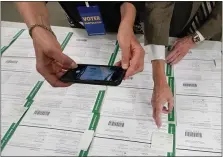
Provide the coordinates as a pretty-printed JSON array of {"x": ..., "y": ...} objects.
[
  {"x": 180, "y": 48},
  {"x": 161, "y": 95},
  {"x": 132, "y": 51},
  {"x": 51, "y": 63}
]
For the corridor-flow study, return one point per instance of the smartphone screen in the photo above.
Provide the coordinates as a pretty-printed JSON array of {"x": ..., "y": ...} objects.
[{"x": 95, "y": 74}]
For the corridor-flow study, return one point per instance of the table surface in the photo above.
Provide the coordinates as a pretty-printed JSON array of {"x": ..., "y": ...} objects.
[{"x": 206, "y": 45}]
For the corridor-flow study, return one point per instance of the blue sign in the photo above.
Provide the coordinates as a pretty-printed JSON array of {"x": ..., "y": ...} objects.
[{"x": 92, "y": 20}]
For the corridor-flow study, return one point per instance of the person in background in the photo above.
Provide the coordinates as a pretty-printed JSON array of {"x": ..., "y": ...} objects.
[
  {"x": 121, "y": 17},
  {"x": 192, "y": 23}
]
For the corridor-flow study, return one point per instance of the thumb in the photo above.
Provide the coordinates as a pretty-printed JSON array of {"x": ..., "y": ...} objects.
[
  {"x": 125, "y": 57},
  {"x": 65, "y": 61}
]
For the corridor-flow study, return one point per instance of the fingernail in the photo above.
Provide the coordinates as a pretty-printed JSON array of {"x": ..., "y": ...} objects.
[
  {"x": 125, "y": 66},
  {"x": 73, "y": 65}
]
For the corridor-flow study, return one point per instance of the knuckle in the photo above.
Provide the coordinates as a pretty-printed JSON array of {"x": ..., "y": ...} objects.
[
  {"x": 53, "y": 84},
  {"x": 141, "y": 68},
  {"x": 39, "y": 68},
  {"x": 136, "y": 66}
]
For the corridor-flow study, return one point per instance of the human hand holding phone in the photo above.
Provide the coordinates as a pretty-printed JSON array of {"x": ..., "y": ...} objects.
[{"x": 94, "y": 74}]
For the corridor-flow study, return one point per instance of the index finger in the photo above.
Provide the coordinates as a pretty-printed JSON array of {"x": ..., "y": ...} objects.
[
  {"x": 172, "y": 53},
  {"x": 65, "y": 61},
  {"x": 158, "y": 115}
]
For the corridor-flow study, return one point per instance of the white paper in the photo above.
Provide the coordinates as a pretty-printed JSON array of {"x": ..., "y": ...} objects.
[
  {"x": 88, "y": 51},
  {"x": 90, "y": 42},
  {"x": 203, "y": 54},
  {"x": 124, "y": 106},
  {"x": 139, "y": 80},
  {"x": 162, "y": 141},
  {"x": 7, "y": 35},
  {"x": 87, "y": 60},
  {"x": 11, "y": 111},
  {"x": 86, "y": 140},
  {"x": 197, "y": 65},
  {"x": 195, "y": 153},
  {"x": 128, "y": 129},
  {"x": 32, "y": 141},
  {"x": 23, "y": 46},
  {"x": 109, "y": 147},
  {"x": 129, "y": 95},
  {"x": 199, "y": 112},
  {"x": 84, "y": 104},
  {"x": 75, "y": 91},
  {"x": 209, "y": 45},
  {"x": 72, "y": 120},
  {"x": 18, "y": 64},
  {"x": 197, "y": 75},
  {"x": 199, "y": 88},
  {"x": 188, "y": 137},
  {"x": 104, "y": 51},
  {"x": 24, "y": 78},
  {"x": 16, "y": 91}
]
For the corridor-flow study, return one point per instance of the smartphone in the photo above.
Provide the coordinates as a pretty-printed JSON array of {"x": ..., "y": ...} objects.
[{"x": 95, "y": 74}]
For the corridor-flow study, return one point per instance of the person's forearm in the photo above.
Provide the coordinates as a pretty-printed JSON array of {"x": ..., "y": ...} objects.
[
  {"x": 33, "y": 13},
  {"x": 128, "y": 13},
  {"x": 158, "y": 67}
]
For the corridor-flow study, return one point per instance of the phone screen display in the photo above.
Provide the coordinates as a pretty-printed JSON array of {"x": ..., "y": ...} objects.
[{"x": 95, "y": 73}]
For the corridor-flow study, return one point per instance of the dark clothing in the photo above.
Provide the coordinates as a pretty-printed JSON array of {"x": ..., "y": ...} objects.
[
  {"x": 110, "y": 12},
  {"x": 181, "y": 14}
]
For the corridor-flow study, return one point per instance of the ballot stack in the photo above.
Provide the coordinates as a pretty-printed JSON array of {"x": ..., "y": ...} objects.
[
  {"x": 91, "y": 120},
  {"x": 198, "y": 102}
]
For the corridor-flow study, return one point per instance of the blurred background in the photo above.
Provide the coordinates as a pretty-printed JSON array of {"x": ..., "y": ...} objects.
[{"x": 9, "y": 13}]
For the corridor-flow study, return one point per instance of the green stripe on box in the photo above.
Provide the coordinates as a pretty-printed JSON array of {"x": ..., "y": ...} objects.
[
  {"x": 113, "y": 56},
  {"x": 3, "y": 49},
  {"x": 13, "y": 40},
  {"x": 168, "y": 70},
  {"x": 66, "y": 40},
  {"x": 28, "y": 103},
  {"x": 94, "y": 121},
  {"x": 19, "y": 33},
  {"x": 83, "y": 153},
  {"x": 171, "y": 116},
  {"x": 8, "y": 135},
  {"x": 98, "y": 102},
  {"x": 111, "y": 59},
  {"x": 115, "y": 53},
  {"x": 34, "y": 90},
  {"x": 172, "y": 130}
]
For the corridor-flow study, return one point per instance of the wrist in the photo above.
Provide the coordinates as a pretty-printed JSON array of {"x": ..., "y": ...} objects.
[
  {"x": 128, "y": 13},
  {"x": 159, "y": 79},
  {"x": 158, "y": 67},
  {"x": 127, "y": 25},
  {"x": 35, "y": 31}
]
